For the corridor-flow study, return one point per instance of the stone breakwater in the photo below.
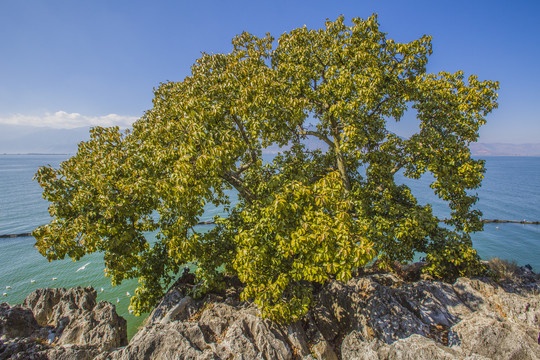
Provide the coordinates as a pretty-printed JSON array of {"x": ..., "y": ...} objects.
[{"x": 374, "y": 316}]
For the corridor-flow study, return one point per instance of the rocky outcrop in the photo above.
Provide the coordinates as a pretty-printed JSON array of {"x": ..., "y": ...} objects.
[
  {"x": 217, "y": 327},
  {"x": 16, "y": 322},
  {"x": 377, "y": 316},
  {"x": 473, "y": 318},
  {"x": 374, "y": 316},
  {"x": 60, "y": 324}
]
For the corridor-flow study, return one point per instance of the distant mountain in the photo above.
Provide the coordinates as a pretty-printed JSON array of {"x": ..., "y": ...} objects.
[
  {"x": 477, "y": 149},
  {"x": 15, "y": 139},
  {"x": 502, "y": 149}
]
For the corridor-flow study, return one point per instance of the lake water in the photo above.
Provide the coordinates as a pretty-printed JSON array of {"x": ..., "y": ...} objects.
[{"x": 510, "y": 191}]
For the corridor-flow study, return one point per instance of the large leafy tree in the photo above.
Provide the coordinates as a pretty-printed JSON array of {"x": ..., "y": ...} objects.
[{"x": 306, "y": 216}]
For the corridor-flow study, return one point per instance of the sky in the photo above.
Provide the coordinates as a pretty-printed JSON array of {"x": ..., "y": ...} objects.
[{"x": 71, "y": 63}]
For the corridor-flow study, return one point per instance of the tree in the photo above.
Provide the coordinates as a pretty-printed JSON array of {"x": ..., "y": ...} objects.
[{"x": 308, "y": 215}]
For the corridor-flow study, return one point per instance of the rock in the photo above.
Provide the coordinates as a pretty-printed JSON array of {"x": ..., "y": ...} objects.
[
  {"x": 494, "y": 338},
  {"x": 472, "y": 319},
  {"x": 166, "y": 342},
  {"x": 77, "y": 318},
  {"x": 73, "y": 352},
  {"x": 488, "y": 297},
  {"x": 264, "y": 339},
  {"x": 381, "y": 306},
  {"x": 101, "y": 327},
  {"x": 220, "y": 332},
  {"x": 323, "y": 350},
  {"x": 60, "y": 324},
  {"x": 355, "y": 347},
  {"x": 376, "y": 316},
  {"x": 297, "y": 338},
  {"x": 42, "y": 303},
  {"x": 170, "y": 300},
  {"x": 370, "y": 317},
  {"x": 23, "y": 348},
  {"x": 16, "y": 322},
  {"x": 417, "y": 347},
  {"x": 412, "y": 347},
  {"x": 177, "y": 310}
]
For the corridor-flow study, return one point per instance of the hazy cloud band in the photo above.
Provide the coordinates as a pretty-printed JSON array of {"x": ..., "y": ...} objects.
[{"x": 64, "y": 120}]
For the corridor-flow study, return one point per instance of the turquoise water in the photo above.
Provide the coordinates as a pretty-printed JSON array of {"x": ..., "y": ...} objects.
[
  {"x": 510, "y": 191},
  {"x": 21, "y": 266}
]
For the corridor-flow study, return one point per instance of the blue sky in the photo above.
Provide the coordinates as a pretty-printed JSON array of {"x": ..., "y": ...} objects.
[{"x": 74, "y": 63}]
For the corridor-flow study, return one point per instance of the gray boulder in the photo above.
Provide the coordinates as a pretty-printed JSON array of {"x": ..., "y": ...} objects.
[
  {"x": 60, "y": 324},
  {"x": 215, "y": 331},
  {"x": 495, "y": 338},
  {"x": 377, "y": 316},
  {"x": 77, "y": 318},
  {"x": 16, "y": 321}
]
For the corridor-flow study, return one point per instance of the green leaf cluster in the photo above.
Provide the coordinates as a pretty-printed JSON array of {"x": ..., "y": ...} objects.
[{"x": 309, "y": 215}]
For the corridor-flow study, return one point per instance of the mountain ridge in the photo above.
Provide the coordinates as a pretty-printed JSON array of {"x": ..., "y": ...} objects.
[{"x": 17, "y": 139}]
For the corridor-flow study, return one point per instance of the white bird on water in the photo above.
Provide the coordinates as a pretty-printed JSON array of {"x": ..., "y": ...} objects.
[
  {"x": 8, "y": 287},
  {"x": 83, "y": 267},
  {"x": 32, "y": 281},
  {"x": 4, "y": 294},
  {"x": 55, "y": 278},
  {"x": 128, "y": 294},
  {"x": 101, "y": 290},
  {"x": 117, "y": 300}
]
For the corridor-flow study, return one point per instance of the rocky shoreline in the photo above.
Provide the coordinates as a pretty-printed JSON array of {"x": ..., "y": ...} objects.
[
  {"x": 372, "y": 316},
  {"x": 60, "y": 324}
]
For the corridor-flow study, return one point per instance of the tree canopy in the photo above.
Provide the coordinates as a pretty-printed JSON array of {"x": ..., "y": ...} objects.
[{"x": 308, "y": 215}]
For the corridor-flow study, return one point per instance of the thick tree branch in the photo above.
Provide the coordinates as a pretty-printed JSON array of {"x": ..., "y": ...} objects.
[
  {"x": 324, "y": 66},
  {"x": 397, "y": 168},
  {"x": 377, "y": 108},
  {"x": 236, "y": 182},
  {"x": 322, "y": 137},
  {"x": 341, "y": 167},
  {"x": 252, "y": 152},
  {"x": 244, "y": 167},
  {"x": 339, "y": 155},
  {"x": 245, "y": 138}
]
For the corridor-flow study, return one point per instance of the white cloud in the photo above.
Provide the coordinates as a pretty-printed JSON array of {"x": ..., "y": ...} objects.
[{"x": 64, "y": 120}]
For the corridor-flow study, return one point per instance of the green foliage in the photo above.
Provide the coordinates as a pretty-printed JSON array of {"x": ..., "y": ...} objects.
[
  {"x": 451, "y": 256},
  {"x": 307, "y": 216},
  {"x": 303, "y": 234}
]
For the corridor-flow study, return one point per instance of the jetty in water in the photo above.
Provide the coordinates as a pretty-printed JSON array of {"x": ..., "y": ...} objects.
[{"x": 486, "y": 221}]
